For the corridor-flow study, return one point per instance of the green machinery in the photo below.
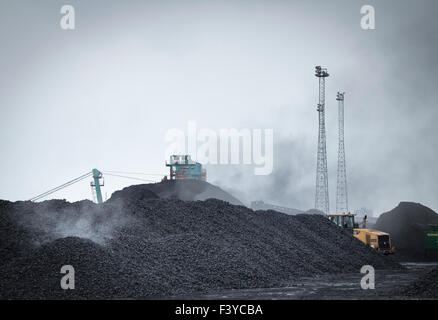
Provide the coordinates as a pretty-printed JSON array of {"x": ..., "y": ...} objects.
[
  {"x": 431, "y": 239},
  {"x": 97, "y": 175},
  {"x": 95, "y": 185},
  {"x": 182, "y": 167},
  {"x": 98, "y": 181}
]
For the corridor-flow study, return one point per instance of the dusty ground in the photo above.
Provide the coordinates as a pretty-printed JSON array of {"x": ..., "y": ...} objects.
[{"x": 326, "y": 287}]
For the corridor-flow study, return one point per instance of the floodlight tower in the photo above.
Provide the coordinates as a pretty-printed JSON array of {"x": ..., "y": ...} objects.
[
  {"x": 321, "y": 194},
  {"x": 341, "y": 192}
]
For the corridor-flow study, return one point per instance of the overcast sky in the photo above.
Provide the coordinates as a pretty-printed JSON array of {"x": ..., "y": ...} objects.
[{"x": 105, "y": 94}]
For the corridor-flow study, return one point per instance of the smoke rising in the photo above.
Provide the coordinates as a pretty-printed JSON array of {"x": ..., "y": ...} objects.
[{"x": 50, "y": 220}]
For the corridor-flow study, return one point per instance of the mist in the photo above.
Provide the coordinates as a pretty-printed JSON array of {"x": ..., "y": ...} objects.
[
  {"x": 50, "y": 220},
  {"x": 105, "y": 94}
]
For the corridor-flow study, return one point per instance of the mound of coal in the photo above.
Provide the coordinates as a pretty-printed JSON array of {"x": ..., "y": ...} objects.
[
  {"x": 99, "y": 274},
  {"x": 25, "y": 225},
  {"x": 407, "y": 223},
  {"x": 162, "y": 247},
  {"x": 426, "y": 287},
  {"x": 14, "y": 238},
  {"x": 39, "y": 275},
  {"x": 187, "y": 190}
]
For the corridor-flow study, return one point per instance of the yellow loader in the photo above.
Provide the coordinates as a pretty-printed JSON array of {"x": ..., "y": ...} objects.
[{"x": 376, "y": 239}]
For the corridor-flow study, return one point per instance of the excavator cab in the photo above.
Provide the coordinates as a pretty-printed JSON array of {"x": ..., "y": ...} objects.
[{"x": 343, "y": 220}]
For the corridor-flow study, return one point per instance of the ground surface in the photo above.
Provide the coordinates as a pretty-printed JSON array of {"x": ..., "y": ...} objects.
[{"x": 389, "y": 284}]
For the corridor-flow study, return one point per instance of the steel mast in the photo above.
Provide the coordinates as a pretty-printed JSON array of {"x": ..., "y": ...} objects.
[
  {"x": 341, "y": 192},
  {"x": 321, "y": 193}
]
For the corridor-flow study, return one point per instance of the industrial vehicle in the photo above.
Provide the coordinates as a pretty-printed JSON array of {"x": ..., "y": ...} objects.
[
  {"x": 431, "y": 241},
  {"x": 376, "y": 239},
  {"x": 182, "y": 167}
]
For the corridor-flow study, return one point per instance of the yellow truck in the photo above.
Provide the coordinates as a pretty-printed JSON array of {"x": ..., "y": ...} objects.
[{"x": 376, "y": 239}]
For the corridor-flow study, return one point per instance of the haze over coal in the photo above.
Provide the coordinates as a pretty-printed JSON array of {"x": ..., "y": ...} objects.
[{"x": 105, "y": 94}]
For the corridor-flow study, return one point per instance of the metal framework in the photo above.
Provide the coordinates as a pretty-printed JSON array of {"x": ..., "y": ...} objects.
[
  {"x": 341, "y": 192},
  {"x": 321, "y": 193}
]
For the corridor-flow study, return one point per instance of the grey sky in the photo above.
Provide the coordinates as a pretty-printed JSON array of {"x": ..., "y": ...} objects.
[{"x": 105, "y": 94}]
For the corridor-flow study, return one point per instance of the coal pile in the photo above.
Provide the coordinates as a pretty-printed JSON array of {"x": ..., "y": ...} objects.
[
  {"x": 187, "y": 190},
  {"x": 146, "y": 247},
  {"x": 426, "y": 287},
  {"x": 98, "y": 273},
  {"x": 407, "y": 223}
]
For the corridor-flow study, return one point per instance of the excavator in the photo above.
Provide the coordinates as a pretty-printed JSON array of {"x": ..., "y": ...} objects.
[{"x": 381, "y": 241}]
